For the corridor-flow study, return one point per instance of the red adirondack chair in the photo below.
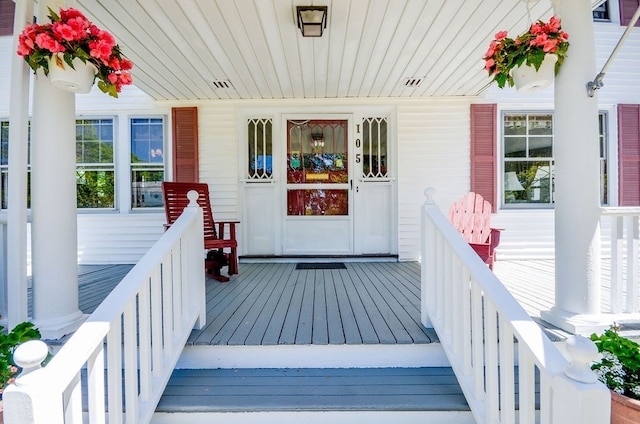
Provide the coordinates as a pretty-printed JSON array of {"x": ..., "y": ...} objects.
[
  {"x": 471, "y": 216},
  {"x": 175, "y": 200}
]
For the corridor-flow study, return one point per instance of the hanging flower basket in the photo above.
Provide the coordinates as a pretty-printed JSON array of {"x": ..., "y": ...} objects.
[
  {"x": 532, "y": 49},
  {"x": 78, "y": 79},
  {"x": 528, "y": 79},
  {"x": 70, "y": 40}
]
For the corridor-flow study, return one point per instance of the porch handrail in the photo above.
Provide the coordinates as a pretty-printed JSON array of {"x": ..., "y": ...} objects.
[
  {"x": 625, "y": 258},
  {"x": 496, "y": 350},
  {"x": 134, "y": 338}
]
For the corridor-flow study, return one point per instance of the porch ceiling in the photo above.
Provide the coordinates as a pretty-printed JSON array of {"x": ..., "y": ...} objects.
[{"x": 186, "y": 49}]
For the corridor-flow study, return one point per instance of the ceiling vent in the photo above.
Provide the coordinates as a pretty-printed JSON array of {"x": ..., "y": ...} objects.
[
  {"x": 222, "y": 84},
  {"x": 412, "y": 82}
]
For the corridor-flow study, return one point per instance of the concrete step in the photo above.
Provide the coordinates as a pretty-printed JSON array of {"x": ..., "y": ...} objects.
[{"x": 313, "y": 395}]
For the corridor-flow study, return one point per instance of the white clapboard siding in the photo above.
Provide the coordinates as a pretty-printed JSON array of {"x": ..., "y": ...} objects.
[
  {"x": 433, "y": 151},
  {"x": 117, "y": 238}
]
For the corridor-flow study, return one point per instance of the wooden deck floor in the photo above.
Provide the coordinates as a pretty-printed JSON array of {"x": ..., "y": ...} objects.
[
  {"x": 366, "y": 303},
  {"x": 277, "y": 304}
]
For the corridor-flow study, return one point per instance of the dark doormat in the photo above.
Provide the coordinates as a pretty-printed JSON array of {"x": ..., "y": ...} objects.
[{"x": 321, "y": 265}]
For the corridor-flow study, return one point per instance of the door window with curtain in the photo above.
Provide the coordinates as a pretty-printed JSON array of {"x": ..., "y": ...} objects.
[{"x": 317, "y": 160}]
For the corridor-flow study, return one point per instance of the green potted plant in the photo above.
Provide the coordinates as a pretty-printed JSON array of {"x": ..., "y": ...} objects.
[
  {"x": 543, "y": 44},
  {"x": 70, "y": 40},
  {"x": 619, "y": 369}
]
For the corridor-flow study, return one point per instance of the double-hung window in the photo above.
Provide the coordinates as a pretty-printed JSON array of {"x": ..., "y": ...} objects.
[
  {"x": 95, "y": 168},
  {"x": 528, "y": 162},
  {"x": 147, "y": 162}
]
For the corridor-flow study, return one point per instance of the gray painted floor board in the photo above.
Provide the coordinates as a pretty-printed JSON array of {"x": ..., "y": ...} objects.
[{"x": 372, "y": 389}]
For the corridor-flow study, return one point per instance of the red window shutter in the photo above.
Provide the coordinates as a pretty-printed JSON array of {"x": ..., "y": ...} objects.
[
  {"x": 629, "y": 155},
  {"x": 185, "y": 144},
  {"x": 627, "y": 9},
  {"x": 7, "y": 12},
  {"x": 483, "y": 151}
]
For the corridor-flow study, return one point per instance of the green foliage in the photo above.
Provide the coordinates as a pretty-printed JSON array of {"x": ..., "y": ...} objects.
[
  {"x": 619, "y": 367},
  {"x": 8, "y": 342}
]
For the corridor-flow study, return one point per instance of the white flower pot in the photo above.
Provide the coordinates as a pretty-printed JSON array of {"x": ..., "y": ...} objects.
[
  {"x": 528, "y": 80},
  {"x": 78, "y": 80}
]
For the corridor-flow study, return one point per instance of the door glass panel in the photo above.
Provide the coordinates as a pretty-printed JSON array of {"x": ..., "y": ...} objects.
[
  {"x": 374, "y": 148},
  {"x": 317, "y": 154},
  {"x": 317, "y": 202}
]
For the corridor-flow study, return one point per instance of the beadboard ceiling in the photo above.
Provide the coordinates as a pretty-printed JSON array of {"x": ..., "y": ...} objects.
[{"x": 252, "y": 49}]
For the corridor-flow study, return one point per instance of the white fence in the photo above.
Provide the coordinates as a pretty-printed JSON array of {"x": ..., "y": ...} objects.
[
  {"x": 625, "y": 258},
  {"x": 508, "y": 369},
  {"x": 134, "y": 339}
]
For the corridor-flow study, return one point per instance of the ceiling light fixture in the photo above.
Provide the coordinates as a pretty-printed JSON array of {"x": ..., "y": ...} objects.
[{"x": 312, "y": 20}]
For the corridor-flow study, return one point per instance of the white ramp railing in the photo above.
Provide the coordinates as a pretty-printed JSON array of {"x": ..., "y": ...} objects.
[
  {"x": 508, "y": 369},
  {"x": 625, "y": 258},
  {"x": 129, "y": 346}
]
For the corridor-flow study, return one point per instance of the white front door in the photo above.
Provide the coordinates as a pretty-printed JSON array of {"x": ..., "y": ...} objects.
[{"x": 329, "y": 190}]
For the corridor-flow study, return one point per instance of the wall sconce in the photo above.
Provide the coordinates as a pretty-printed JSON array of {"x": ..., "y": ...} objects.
[{"x": 312, "y": 20}]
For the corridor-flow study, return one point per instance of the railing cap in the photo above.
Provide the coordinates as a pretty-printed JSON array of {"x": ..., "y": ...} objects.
[
  {"x": 582, "y": 352},
  {"x": 29, "y": 356},
  {"x": 192, "y": 195},
  {"x": 430, "y": 193}
]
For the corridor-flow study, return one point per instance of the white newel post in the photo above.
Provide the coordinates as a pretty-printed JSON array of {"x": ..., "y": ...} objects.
[
  {"x": 53, "y": 206},
  {"x": 578, "y": 396},
  {"x": 577, "y": 184}
]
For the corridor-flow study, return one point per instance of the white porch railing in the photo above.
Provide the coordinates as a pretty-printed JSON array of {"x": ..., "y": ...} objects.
[
  {"x": 496, "y": 350},
  {"x": 625, "y": 258},
  {"x": 134, "y": 338}
]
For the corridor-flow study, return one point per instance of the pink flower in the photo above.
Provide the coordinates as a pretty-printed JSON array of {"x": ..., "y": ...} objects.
[
  {"x": 536, "y": 29},
  {"x": 501, "y": 35},
  {"x": 490, "y": 52},
  {"x": 489, "y": 64},
  {"x": 112, "y": 77},
  {"x": 64, "y": 31},
  {"x": 107, "y": 38},
  {"x": 550, "y": 46},
  {"x": 100, "y": 50},
  {"x": 126, "y": 64},
  {"x": 45, "y": 41},
  {"x": 71, "y": 13},
  {"x": 540, "y": 40},
  {"x": 125, "y": 78},
  {"x": 553, "y": 25}
]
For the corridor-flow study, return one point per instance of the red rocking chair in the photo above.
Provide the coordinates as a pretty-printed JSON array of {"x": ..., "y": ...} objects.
[
  {"x": 471, "y": 216},
  {"x": 175, "y": 200}
]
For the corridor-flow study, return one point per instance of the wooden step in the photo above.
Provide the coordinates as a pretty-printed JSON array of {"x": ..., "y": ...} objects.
[{"x": 416, "y": 393}]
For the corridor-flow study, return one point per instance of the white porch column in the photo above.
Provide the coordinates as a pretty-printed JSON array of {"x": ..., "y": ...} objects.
[
  {"x": 53, "y": 206},
  {"x": 15, "y": 304},
  {"x": 577, "y": 182}
]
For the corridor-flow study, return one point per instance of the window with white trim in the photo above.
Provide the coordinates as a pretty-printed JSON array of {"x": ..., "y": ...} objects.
[
  {"x": 528, "y": 163},
  {"x": 4, "y": 162},
  {"x": 95, "y": 166},
  {"x": 147, "y": 161}
]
